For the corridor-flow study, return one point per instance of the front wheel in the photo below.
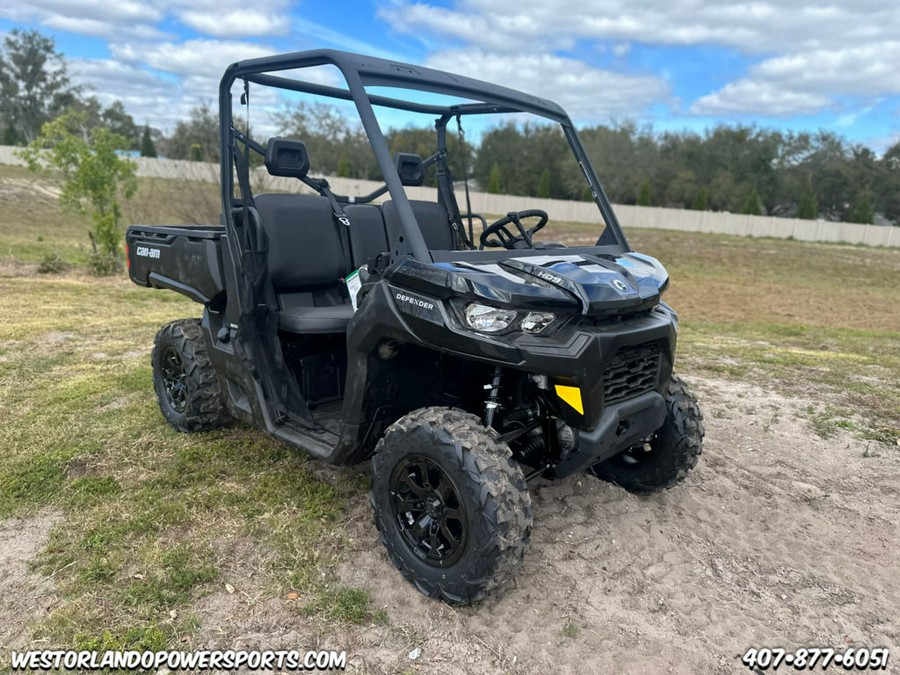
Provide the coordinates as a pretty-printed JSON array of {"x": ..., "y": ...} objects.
[
  {"x": 667, "y": 456},
  {"x": 451, "y": 506}
]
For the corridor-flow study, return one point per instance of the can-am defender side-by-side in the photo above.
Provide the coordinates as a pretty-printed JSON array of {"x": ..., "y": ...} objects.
[{"x": 463, "y": 364}]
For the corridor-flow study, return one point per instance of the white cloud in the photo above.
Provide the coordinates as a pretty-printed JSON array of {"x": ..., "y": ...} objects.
[
  {"x": 128, "y": 18},
  {"x": 813, "y": 52},
  {"x": 236, "y": 23},
  {"x": 586, "y": 93},
  {"x": 113, "y": 12},
  {"x": 145, "y": 96},
  {"x": 751, "y": 97},
  {"x": 232, "y": 18},
  {"x": 97, "y": 28},
  {"x": 755, "y": 26},
  {"x": 191, "y": 58},
  {"x": 807, "y": 82},
  {"x": 342, "y": 39}
]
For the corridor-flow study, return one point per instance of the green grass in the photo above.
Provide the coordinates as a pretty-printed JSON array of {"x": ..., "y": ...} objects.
[
  {"x": 147, "y": 511},
  {"x": 148, "y": 514},
  {"x": 352, "y": 605}
]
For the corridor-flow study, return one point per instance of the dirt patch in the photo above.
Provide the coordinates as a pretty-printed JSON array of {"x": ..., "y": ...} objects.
[
  {"x": 14, "y": 269},
  {"x": 778, "y": 538},
  {"x": 26, "y": 597},
  {"x": 23, "y": 188},
  {"x": 241, "y": 613}
]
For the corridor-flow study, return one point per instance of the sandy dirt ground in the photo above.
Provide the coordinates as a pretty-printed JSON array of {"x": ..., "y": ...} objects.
[{"x": 778, "y": 538}]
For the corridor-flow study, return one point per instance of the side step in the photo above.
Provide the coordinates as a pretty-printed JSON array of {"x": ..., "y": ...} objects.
[{"x": 318, "y": 442}]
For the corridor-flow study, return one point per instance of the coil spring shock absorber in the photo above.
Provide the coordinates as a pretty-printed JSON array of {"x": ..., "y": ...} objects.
[{"x": 493, "y": 398}]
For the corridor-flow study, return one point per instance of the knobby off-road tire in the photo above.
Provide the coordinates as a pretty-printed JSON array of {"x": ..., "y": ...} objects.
[
  {"x": 668, "y": 456},
  {"x": 451, "y": 506},
  {"x": 187, "y": 387}
]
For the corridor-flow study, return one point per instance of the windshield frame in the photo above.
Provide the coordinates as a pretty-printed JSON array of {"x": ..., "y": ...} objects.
[{"x": 361, "y": 72}]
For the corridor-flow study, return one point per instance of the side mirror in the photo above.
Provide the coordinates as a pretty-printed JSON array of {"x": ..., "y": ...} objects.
[
  {"x": 287, "y": 157},
  {"x": 410, "y": 168}
]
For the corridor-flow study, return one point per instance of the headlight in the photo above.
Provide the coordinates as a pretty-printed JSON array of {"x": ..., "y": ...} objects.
[
  {"x": 488, "y": 319},
  {"x": 535, "y": 322}
]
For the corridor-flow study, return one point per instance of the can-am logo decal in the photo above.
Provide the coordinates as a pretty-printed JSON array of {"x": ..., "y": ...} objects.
[
  {"x": 621, "y": 285},
  {"x": 145, "y": 252},
  {"x": 402, "y": 297}
]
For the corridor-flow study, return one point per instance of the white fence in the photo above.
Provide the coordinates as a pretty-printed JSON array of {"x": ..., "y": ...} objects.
[{"x": 629, "y": 216}]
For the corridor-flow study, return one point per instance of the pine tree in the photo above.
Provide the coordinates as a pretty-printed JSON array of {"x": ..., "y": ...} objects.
[
  {"x": 148, "y": 149},
  {"x": 644, "y": 198},
  {"x": 753, "y": 206},
  {"x": 807, "y": 207},
  {"x": 701, "y": 200},
  {"x": 343, "y": 167},
  {"x": 864, "y": 207},
  {"x": 494, "y": 179},
  {"x": 543, "y": 189}
]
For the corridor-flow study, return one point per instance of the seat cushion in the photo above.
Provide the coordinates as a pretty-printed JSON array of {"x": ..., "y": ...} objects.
[
  {"x": 305, "y": 247},
  {"x": 333, "y": 319},
  {"x": 433, "y": 223},
  {"x": 367, "y": 236}
]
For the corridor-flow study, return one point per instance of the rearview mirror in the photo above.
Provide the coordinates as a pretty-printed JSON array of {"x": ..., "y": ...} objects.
[{"x": 287, "y": 157}]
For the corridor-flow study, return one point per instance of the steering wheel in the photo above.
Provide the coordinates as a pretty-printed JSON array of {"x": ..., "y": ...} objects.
[{"x": 507, "y": 239}]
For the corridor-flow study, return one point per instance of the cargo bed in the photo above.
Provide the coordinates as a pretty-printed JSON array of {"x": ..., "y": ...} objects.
[{"x": 183, "y": 259}]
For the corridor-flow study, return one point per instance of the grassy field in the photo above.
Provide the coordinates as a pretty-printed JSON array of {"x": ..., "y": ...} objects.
[{"x": 149, "y": 515}]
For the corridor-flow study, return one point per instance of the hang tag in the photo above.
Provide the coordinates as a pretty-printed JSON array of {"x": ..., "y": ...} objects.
[{"x": 354, "y": 283}]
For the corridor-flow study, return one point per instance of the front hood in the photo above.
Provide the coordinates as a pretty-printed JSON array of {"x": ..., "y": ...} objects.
[{"x": 590, "y": 284}]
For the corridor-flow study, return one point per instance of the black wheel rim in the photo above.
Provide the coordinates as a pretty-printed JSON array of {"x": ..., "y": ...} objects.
[
  {"x": 428, "y": 511},
  {"x": 174, "y": 380}
]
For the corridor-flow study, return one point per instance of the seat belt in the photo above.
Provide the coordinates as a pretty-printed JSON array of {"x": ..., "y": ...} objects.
[
  {"x": 343, "y": 221},
  {"x": 445, "y": 190}
]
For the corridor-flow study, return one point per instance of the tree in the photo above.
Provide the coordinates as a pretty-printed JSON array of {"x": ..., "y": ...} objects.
[
  {"x": 330, "y": 137},
  {"x": 644, "y": 197},
  {"x": 753, "y": 206},
  {"x": 148, "y": 148},
  {"x": 494, "y": 180},
  {"x": 343, "y": 167},
  {"x": 197, "y": 138},
  {"x": 422, "y": 141},
  {"x": 863, "y": 207},
  {"x": 543, "y": 188},
  {"x": 95, "y": 178},
  {"x": 701, "y": 199},
  {"x": 523, "y": 153},
  {"x": 34, "y": 84},
  {"x": 119, "y": 122},
  {"x": 807, "y": 208}
]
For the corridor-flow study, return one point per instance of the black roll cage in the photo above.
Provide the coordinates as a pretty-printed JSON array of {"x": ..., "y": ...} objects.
[{"x": 363, "y": 71}]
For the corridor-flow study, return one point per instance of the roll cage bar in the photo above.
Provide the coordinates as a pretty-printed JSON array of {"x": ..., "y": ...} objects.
[{"x": 361, "y": 72}]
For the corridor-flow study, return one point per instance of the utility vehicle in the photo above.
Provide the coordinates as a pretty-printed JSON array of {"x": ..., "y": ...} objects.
[{"x": 464, "y": 364}]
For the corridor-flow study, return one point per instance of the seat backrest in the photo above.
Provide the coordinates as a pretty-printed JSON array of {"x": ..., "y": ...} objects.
[
  {"x": 304, "y": 244},
  {"x": 433, "y": 221},
  {"x": 367, "y": 235}
]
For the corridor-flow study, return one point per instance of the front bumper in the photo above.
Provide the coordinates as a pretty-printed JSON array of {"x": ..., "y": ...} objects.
[{"x": 620, "y": 426}]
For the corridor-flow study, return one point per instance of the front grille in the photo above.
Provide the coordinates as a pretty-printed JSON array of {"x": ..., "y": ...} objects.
[{"x": 633, "y": 371}]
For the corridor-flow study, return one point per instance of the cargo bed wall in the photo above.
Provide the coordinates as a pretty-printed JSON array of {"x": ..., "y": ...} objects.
[{"x": 181, "y": 259}]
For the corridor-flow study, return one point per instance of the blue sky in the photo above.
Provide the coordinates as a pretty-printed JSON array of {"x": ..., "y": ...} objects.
[{"x": 672, "y": 64}]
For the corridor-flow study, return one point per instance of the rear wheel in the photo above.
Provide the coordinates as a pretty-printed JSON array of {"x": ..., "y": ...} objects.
[
  {"x": 187, "y": 387},
  {"x": 451, "y": 506},
  {"x": 666, "y": 457}
]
